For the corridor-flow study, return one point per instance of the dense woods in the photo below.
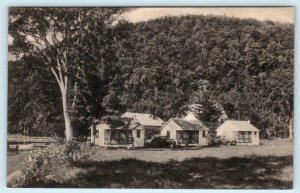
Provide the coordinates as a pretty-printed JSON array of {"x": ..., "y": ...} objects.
[{"x": 160, "y": 66}]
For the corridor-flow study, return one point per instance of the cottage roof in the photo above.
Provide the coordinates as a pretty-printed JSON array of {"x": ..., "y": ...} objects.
[
  {"x": 145, "y": 119},
  {"x": 190, "y": 125},
  {"x": 123, "y": 127},
  {"x": 128, "y": 127},
  {"x": 191, "y": 116},
  {"x": 239, "y": 125}
]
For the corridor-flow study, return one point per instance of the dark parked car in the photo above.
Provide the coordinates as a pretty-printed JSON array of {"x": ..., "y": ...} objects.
[
  {"x": 221, "y": 141},
  {"x": 161, "y": 141},
  {"x": 173, "y": 143}
]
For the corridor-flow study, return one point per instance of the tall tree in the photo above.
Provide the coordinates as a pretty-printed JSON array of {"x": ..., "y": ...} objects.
[{"x": 59, "y": 36}]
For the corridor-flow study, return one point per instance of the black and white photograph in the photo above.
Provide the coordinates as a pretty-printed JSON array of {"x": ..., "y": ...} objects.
[{"x": 150, "y": 97}]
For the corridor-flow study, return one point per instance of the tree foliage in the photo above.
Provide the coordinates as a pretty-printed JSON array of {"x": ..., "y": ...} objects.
[
  {"x": 242, "y": 67},
  {"x": 72, "y": 44}
]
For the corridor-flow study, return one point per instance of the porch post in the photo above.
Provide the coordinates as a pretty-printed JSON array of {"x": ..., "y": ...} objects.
[{"x": 92, "y": 134}]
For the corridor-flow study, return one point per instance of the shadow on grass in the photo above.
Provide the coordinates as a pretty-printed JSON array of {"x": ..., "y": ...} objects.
[{"x": 253, "y": 172}]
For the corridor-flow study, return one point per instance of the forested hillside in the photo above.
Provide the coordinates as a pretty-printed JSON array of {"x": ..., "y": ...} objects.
[{"x": 162, "y": 66}]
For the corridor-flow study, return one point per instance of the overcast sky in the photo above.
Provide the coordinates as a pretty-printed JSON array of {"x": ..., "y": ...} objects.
[{"x": 278, "y": 14}]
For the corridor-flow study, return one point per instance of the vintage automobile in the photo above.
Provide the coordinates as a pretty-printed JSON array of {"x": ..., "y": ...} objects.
[
  {"x": 161, "y": 142},
  {"x": 218, "y": 140},
  {"x": 173, "y": 143}
]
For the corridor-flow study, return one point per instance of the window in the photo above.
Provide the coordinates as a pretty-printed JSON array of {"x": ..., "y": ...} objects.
[
  {"x": 168, "y": 134},
  {"x": 138, "y": 133},
  {"x": 195, "y": 137},
  {"x": 254, "y": 132},
  {"x": 179, "y": 135},
  {"x": 115, "y": 137},
  {"x": 203, "y": 134},
  {"x": 114, "y": 134},
  {"x": 244, "y": 137},
  {"x": 97, "y": 134}
]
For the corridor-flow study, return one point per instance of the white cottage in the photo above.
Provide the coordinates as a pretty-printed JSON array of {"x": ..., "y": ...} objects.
[
  {"x": 151, "y": 124},
  {"x": 241, "y": 131},
  {"x": 141, "y": 128},
  {"x": 107, "y": 136},
  {"x": 187, "y": 131}
]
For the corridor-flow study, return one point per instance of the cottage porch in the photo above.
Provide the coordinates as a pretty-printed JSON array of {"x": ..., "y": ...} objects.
[
  {"x": 187, "y": 136},
  {"x": 243, "y": 137},
  {"x": 117, "y": 137}
]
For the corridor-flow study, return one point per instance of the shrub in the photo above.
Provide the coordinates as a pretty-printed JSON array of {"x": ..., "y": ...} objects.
[{"x": 43, "y": 166}]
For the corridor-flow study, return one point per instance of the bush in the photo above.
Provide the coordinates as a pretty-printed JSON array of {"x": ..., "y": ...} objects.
[{"x": 51, "y": 164}]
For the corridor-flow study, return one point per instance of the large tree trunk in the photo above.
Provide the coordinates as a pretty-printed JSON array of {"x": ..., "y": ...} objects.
[
  {"x": 62, "y": 81},
  {"x": 68, "y": 124}
]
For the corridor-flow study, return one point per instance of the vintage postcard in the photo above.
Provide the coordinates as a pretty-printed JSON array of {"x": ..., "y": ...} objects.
[{"x": 170, "y": 97}]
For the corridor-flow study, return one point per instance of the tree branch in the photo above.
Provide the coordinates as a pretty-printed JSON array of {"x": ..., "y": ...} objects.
[
  {"x": 56, "y": 77},
  {"x": 66, "y": 82},
  {"x": 60, "y": 72},
  {"x": 65, "y": 61}
]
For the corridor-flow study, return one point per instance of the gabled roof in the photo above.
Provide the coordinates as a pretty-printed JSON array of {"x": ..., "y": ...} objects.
[
  {"x": 238, "y": 125},
  {"x": 145, "y": 119},
  {"x": 190, "y": 125},
  {"x": 128, "y": 127},
  {"x": 123, "y": 127},
  {"x": 190, "y": 116}
]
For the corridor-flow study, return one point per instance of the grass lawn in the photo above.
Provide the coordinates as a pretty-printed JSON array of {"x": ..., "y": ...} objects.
[
  {"x": 265, "y": 166},
  {"x": 166, "y": 154}
]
